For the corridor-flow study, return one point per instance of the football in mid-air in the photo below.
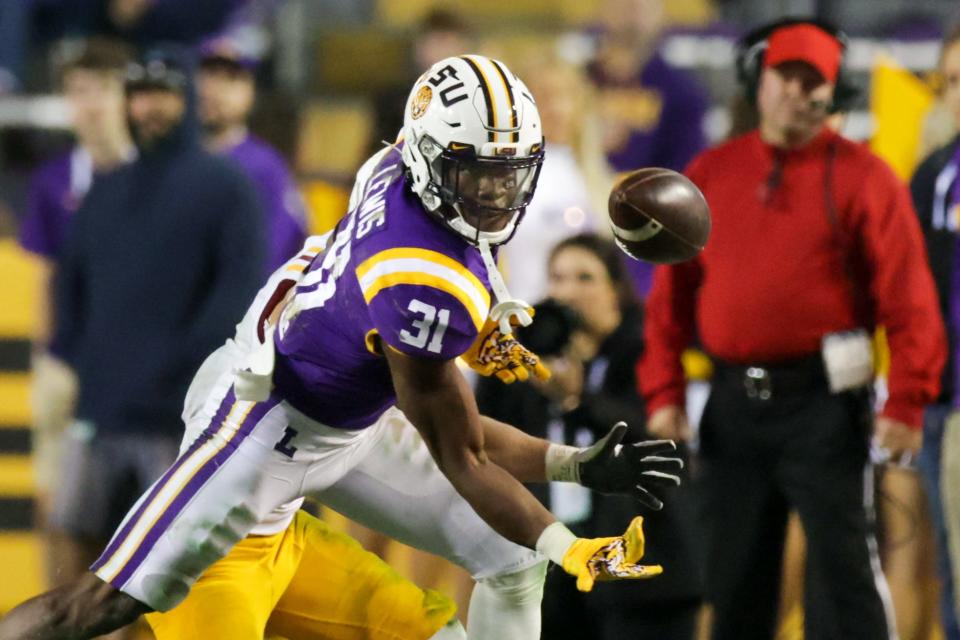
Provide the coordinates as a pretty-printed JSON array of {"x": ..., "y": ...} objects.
[{"x": 659, "y": 216}]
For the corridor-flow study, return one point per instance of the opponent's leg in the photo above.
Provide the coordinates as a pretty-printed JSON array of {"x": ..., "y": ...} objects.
[
  {"x": 85, "y": 608},
  {"x": 311, "y": 583},
  {"x": 398, "y": 489},
  {"x": 235, "y": 595},
  {"x": 342, "y": 592}
]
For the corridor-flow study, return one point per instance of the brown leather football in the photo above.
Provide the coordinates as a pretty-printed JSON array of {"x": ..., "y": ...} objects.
[{"x": 658, "y": 215}]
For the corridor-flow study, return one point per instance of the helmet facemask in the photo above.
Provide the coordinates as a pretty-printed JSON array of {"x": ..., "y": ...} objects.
[{"x": 480, "y": 197}]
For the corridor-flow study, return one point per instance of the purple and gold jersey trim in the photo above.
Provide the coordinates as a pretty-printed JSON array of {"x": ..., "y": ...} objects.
[
  {"x": 413, "y": 266},
  {"x": 230, "y": 426},
  {"x": 370, "y": 341},
  {"x": 303, "y": 260}
]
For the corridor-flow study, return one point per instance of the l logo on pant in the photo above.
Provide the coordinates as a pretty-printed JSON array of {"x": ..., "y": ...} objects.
[{"x": 283, "y": 445}]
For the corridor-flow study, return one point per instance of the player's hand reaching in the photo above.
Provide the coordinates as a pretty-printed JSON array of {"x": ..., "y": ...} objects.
[
  {"x": 610, "y": 467},
  {"x": 617, "y": 558},
  {"x": 500, "y": 354}
]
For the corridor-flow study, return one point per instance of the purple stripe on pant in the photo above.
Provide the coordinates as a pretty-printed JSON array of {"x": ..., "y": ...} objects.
[
  {"x": 222, "y": 411},
  {"x": 193, "y": 487}
]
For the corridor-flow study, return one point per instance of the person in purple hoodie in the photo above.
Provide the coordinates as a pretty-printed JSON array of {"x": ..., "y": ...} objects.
[{"x": 226, "y": 90}]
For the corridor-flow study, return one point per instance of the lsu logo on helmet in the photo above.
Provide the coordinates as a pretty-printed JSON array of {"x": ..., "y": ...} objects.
[{"x": 420, "y": 102}]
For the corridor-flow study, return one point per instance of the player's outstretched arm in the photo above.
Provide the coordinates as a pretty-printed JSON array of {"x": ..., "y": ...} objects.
[
  {"x": 86, "y": 608},
  {"x": 521, "y": 454},
  {"x": 638, "y": 469},
  {"x": 438, "y": 401}
]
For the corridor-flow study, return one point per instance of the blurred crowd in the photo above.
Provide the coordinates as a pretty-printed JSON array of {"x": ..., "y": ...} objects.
[{"x": 194, "y": 155}]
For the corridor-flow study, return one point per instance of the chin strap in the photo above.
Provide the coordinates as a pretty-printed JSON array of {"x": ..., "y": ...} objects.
[{"x": 508, "y": 311}]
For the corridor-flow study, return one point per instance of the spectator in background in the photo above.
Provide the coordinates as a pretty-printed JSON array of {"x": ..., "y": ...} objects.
[
  {"x": 936, "y": 195},
  {"x": 92, "y": 84},
  {"x": 652, "y": 113},
  {"x": 227, "y": 92},
  {"x": 563, "y": 206},
  {"x": 440, "y": 34},
  {"x": 14, "y": 32},
  {"x": 591, "y": 331},
  {"x": 142, "y": 22},
  {"x": 814, "y": 244},
  {"x": 162, "y": 258}
]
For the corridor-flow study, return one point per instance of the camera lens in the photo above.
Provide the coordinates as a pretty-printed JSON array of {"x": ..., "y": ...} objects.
[{"x": 553, "y": 324}]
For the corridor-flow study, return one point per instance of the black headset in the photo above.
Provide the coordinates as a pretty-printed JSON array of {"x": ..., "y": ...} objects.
[{"x": 751, "y": 48}]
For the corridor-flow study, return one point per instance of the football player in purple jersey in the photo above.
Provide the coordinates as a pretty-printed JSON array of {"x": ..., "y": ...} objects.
[{"x": 349, "y": 348}]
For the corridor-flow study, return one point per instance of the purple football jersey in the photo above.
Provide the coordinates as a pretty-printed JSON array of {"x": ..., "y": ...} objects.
[
  {"x": 389, "y": 270},
  {"x": 56, "y": 190},
  {"x": 283, "y": 208}
]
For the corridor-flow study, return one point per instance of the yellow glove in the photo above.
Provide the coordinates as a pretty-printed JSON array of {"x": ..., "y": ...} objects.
[
  {"x": 500, "y": 354},
  {"x": 592, "y": 559}
]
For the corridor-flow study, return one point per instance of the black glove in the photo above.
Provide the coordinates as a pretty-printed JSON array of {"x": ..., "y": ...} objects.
[{"x": 633, "y": 469}]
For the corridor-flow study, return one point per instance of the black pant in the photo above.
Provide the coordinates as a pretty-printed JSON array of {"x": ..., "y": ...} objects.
[
  {"x": 571, "y": 615},
  {"x": 805, "y": 450}
]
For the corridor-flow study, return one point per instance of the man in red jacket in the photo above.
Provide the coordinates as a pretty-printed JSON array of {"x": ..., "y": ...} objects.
[{"x": 814, "y": 244}]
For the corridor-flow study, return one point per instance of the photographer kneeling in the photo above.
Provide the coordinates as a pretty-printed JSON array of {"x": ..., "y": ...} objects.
[{"x": 589, "y": 334}]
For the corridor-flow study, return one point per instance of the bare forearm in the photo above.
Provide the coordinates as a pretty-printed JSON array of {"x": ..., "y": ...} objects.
[
  {"x": 504, "y": 503},
  {"x": 493, "y": 492},
  {"x": 518, "y": 453},
  {"x": 440, "y": 404}
]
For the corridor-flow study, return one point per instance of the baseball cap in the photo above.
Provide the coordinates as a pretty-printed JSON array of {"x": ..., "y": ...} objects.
[
  {"x": 222, "y": 51},
  {"x": 156, "y": 71},
  {"x": 806, "y": 43}
]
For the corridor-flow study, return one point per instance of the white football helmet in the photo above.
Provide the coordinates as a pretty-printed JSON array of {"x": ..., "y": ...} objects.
[{"x": 473, "y": 146}]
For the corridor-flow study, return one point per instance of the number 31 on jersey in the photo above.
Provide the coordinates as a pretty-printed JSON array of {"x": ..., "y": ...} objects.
[{"x": 429, "y": 327}]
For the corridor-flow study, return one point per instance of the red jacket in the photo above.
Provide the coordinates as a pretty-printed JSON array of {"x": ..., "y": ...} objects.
[{"x": 776, "y": 274}]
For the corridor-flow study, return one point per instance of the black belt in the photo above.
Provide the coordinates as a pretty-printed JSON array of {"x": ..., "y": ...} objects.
[{"x": 761, "y": 381}]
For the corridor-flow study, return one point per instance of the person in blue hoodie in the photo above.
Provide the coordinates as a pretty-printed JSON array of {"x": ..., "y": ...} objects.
[{"x": 160, "y": 263}]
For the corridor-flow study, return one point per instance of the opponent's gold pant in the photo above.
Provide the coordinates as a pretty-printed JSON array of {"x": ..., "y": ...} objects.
[{"x": 307, "y": 582}]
